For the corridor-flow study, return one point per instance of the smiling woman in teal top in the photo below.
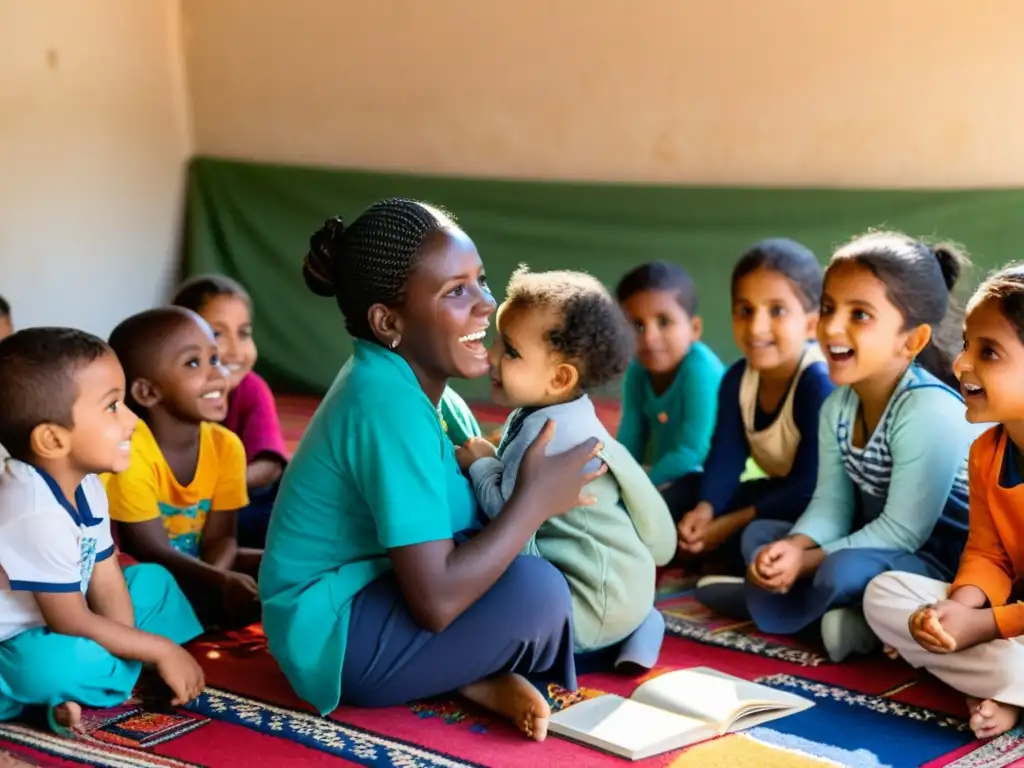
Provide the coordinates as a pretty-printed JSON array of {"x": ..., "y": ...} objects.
[{"x": 367, "y": 598}]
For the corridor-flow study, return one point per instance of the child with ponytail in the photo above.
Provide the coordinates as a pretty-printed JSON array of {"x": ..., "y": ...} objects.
[{"x": 891, "y": 492}]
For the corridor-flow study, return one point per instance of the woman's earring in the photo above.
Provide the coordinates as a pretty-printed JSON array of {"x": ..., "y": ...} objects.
[{"x": 394, "y": 343}]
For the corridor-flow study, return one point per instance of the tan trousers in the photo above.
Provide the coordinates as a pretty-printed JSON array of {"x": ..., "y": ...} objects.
[{"x": 992, "y": 670}]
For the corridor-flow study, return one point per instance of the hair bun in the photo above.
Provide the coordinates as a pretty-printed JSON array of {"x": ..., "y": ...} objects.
[
  {"x": 319, "y": 266},
  {"x": 951, "y": 263}
]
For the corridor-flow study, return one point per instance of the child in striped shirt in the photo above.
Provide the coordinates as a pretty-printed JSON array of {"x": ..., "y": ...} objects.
[
  {"x": 970, "y": 634},
  {"x": 892, "y": 471}
]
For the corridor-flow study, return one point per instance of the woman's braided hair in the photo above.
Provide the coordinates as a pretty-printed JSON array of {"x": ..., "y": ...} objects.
[{"x": 369, "y": 262}]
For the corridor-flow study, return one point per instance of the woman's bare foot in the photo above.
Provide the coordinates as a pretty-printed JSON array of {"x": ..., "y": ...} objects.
[
  {"x": 514, "y": 697},
  {"x": 991, "y": 718},
  {"x": 69, "y": 716}
]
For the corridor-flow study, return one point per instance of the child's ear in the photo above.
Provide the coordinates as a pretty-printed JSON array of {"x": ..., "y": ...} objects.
[
  {"x": 144, "y": 393},
  {"x": 565, "y": 378},
  {"x": 50, "y": 441},
  {"x": 812, "y": 324},
  {"x": 697, "y": 327},
  {"x": 917, "y": 340}
]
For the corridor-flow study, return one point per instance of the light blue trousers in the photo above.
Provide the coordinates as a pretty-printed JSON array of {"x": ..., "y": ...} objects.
[{"x": 43, "y": 668}]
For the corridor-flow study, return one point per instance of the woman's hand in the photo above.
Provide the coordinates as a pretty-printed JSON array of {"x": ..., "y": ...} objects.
[
  {"x": 440, "y": 580},
  {"x": 554, "y": 484}
]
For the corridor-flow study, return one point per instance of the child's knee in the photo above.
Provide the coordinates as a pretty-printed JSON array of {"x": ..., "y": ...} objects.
[
  {"x": 45, "y": 685},
  {"x": 47, "y": 670},
  {"x": 886, "y": 606},
  {"x": 881, "y": 590},
  {"x": 150, "y": 585},
  {"x": 758, "y": 533},
  {"x": 836, "y": 568},
  {"x": 846, "y": 574},
  {"x": 901, "y": 592},
  {"x": 149, "y": 576}
]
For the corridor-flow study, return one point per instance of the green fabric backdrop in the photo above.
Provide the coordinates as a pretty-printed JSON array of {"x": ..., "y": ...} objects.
[{"x": 253, "y": 221}]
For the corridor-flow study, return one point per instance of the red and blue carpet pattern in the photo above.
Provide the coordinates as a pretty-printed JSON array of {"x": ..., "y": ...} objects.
[{"x": 868, "y": 713}]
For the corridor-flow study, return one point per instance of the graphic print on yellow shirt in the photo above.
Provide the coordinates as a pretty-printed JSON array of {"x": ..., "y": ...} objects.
[
  {"x": 148, "y": 489},
  {"x": 184, "y": 525}
]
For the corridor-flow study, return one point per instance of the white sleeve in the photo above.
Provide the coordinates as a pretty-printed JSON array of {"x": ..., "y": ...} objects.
[
  {"x": 96, "y": 496},
  {"x": 36, "y": 554}
]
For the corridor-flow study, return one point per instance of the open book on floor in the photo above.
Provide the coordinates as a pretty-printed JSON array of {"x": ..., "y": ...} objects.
[{"x": 672, "y": 711}]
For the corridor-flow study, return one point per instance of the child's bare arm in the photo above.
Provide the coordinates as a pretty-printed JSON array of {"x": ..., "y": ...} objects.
[
  {"x": 969, "y": 595},
  {"x": 802, "y": 541},
  {"x": 148, "y": 541},
  {"x": 264, "y": 470},
  {"x": 220, "y": 540},
  {"x": 108, "y": 593},
  {"x": 68, "y": 614}
]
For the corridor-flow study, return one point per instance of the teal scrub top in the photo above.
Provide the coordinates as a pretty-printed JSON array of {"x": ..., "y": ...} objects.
[
  {"x": 373, "y": 471},
  {"x": 459, "y": 421}
]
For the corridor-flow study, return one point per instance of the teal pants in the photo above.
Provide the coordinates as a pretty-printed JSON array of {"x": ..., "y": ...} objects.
[{"x": 43, "y": 668}]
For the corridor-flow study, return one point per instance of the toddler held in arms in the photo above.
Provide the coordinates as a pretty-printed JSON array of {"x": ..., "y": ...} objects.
[{"x": 560, "y": 336}]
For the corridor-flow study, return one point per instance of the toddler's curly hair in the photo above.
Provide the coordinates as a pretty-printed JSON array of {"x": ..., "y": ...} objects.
[{"x": 592, "y": 332}]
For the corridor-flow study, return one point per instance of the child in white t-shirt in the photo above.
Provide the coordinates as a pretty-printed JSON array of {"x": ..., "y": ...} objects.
[{"x": 74, "y": 629}]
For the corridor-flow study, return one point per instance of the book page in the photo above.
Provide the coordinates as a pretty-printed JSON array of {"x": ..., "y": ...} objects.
[
  {"x": 713, "y": 696},
  {"x": 627, "y": 728}
]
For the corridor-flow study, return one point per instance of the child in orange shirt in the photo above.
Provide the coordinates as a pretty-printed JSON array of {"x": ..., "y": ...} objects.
[{"x": 971, "y": 634}]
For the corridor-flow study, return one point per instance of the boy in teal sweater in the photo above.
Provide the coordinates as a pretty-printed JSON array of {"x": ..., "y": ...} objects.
[
  {"x": 560, "y": 335},
  {"x": 670, "y": 392}
]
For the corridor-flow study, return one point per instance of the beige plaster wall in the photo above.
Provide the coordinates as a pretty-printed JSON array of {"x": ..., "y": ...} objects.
[
  {"x": 793, "y": 92},
  {"x": 93, "y": 141}
]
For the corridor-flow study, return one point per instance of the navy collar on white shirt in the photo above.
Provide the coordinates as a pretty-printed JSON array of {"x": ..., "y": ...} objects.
[{"x": 83, "y": 515}]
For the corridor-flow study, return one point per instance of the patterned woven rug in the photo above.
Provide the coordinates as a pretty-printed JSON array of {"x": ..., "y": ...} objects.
[{"x": 868, "y": 713}]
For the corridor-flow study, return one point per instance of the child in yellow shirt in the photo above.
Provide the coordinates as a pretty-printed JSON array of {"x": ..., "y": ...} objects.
[{"x": 177, "y": 503}]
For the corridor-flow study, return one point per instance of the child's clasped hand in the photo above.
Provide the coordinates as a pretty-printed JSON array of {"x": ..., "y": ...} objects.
[
  {"x": 776, "y": 566},
  {"x": 693, "y": 527},
  {"x": 926, "y": 628},
  {"x": 949, "y": 626}
]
